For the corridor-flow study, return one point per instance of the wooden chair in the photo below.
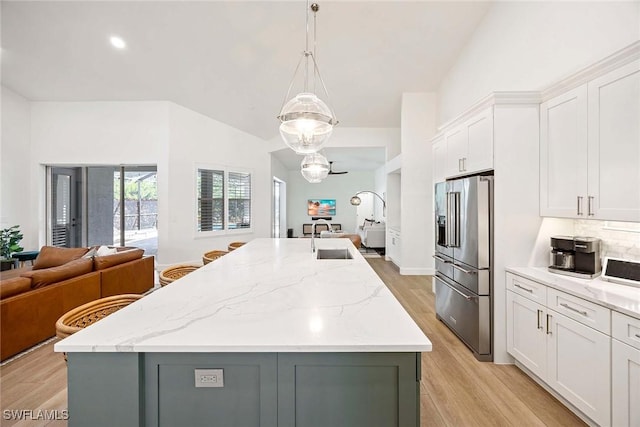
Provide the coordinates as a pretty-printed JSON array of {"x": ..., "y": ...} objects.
[
  {"x": 212, "y": 255},
  {"x": 235, "y": 245},
  {"x": 175, "y": 272},
  {"x": 87, "y": 314}
]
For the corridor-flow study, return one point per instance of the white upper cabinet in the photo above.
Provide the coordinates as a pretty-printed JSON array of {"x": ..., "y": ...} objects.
[
  {"x": 480, "y": 146},
  {"x": 439, "y": 159},
  {"x": 470, "y": 145},
  {"x": 590, "y": 149},
  {"x": 563, "y": 154},
  {"x": 614, "y": 144}
]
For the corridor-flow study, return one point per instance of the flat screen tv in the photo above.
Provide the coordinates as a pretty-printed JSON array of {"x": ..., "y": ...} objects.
[{"x": 321, "y": 207}]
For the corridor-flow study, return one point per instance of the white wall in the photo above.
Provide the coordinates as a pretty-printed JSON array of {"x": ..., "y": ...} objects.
[
  {"x": 280, "y": 172},
  {"x": 198, "y": 140},
  {"x": 15, "y": 157},
  {"x": 151, "y": 133},
  {"x": 381, "y": 189},
  {"x": 97, "y": 133},
  {"x": 339, "y": 187},
  {"x": 417, "y": 128},
  {"x": 530, "y": 45}
]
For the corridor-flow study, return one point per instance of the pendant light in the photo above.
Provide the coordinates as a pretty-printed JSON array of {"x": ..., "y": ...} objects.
[
  {"x": 314, "y": 167},
  {"x": 306, "y": 122}
]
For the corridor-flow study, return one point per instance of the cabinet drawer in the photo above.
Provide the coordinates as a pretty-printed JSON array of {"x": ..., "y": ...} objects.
[
  {"x": 583, "y": 311},
  {"x": 527, "y": 288},
  {"x": 626, "y": 329}
]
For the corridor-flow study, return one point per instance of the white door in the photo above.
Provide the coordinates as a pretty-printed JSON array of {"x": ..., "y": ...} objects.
[
  {"x": 614, "y": 145},
  {"x": 480, "y": 143},
  {"x": 625, "y": 384},
  {"x": 526, "y": 336},
  {"x": 578, "y": 366},
  {"x": 563, "y": 155}
]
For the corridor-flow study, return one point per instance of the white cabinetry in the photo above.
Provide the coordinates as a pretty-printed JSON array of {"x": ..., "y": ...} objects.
[
  {"x": 560, "y": 342},
  {"x": 469, "y": 146},
  {"x": 439, "y": 159},
  {"x": 590, "y": 149},
  {"x": 393, "y": 248},
  {"x": 625, "y": 370}
]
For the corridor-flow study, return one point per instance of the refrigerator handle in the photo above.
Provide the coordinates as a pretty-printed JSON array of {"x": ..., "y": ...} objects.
[
  {"x": 453, "y": 219},
  {"x": 449, "y": 223}
]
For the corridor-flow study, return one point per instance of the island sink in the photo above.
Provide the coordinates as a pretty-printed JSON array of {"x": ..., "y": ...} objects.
[{"x": 334, "y": 254}]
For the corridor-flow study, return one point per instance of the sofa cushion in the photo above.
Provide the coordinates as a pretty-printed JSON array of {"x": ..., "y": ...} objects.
[
  {"x": 47, "y": 276},
  {"x": 17, "y": 285},
  {"x": 51, "y": 256},
  {"x": 105, "y": 250},
  {"x": 120, "y": 257}
]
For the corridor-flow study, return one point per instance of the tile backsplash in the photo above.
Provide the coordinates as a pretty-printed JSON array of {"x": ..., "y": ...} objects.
[{"x": 619, "y": 239}]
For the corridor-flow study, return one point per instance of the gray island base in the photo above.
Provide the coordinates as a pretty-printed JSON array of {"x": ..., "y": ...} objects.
[
  {"x": 260, "y": 389},
  {"x": 267, "y": 335}
]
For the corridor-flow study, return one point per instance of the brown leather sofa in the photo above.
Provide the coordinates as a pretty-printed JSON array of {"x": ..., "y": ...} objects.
[{"x": 33, "y": 298}]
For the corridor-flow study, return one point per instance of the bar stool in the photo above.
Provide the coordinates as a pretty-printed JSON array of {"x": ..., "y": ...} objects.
[
  {"x": 235, "y": 245},
  {"x": 175, "y": 272},
  {"x": 212, "y": 256}
]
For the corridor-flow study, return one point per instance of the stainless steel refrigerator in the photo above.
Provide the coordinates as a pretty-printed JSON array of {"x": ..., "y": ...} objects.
[{"x": 463, "y": 254}]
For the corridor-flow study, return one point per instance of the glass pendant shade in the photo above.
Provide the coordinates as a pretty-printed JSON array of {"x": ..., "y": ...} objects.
[
  {"x": 314, "y": 167},
  {"x": 355, "y": 201},
  {"x": 306, "y": 123}
]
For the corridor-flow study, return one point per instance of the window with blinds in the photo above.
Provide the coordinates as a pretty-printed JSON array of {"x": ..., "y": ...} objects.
[
  {"x": 224, "y": 200},
  {"x": 210, "y": 200},
  {"x": 239, "y": 198}
]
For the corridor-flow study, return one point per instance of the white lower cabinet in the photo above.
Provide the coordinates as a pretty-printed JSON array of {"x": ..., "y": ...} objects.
[
  {"x": 578, "y": 366},
  {"x": 570, "y": 357},
  {"x": 625, "y": 370},
  {"x": 393, "y": 248},
  {"x": 526, "y": 336}
]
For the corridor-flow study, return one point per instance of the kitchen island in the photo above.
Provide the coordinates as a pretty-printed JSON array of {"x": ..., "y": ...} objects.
[{"x": 267, "y": 335}]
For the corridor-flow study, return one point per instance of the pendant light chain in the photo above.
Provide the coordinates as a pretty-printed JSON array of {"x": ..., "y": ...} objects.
[{"x": 306, "y": 121}]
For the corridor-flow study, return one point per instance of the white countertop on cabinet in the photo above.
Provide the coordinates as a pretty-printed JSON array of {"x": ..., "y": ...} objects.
[
  {"x": 621, "y": 298},
  {"x": 270, "y": 295}
]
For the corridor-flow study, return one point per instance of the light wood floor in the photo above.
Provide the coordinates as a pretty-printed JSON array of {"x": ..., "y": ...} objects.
[{"x": 456, "y": 390}]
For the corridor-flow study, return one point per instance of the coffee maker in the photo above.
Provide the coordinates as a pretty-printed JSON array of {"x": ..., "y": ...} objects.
[{"x": 575, "y": 256}]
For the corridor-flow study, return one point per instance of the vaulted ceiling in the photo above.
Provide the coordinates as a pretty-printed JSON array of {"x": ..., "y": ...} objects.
[{"x": 233, "y": 60}]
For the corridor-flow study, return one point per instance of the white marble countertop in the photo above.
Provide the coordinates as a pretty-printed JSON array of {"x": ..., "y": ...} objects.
[
  {"x": 270, "y": 295},
  {"x": 622, "y": 298}
]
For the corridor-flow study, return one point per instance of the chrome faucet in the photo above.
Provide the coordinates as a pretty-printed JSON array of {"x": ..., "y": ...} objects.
[{"x": 313, "y": 232}]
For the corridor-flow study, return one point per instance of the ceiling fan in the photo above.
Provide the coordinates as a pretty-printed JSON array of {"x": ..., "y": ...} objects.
[{"x": 331, "y": 172}]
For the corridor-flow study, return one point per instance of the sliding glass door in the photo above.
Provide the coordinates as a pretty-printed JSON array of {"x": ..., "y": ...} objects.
[{"x": 103, "y": 205}]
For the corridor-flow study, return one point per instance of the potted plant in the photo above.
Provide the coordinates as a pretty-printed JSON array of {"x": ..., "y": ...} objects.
[{"x": 9, "y": 244}]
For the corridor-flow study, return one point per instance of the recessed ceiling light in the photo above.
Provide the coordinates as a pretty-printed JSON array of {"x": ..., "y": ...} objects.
[{"x": 117, "y": 42}]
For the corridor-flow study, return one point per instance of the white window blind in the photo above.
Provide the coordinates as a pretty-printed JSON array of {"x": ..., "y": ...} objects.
[
  {"x": 239, "y": 199},
  {"x": 210, "y": 200}
]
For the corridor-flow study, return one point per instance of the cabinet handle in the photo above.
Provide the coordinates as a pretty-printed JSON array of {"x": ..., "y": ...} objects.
[
  {"x": 549, "y": 324},
  {"x": 568, "y": 307},
  {"x": 460, "y": 165},
  {"x": 590, "y": 205},
  {"x": 539, "y": 313},
  {"x": 464, "y": 164},
  {"x": 523, "y": 288},
  {"x": 579, "y": 205}
]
